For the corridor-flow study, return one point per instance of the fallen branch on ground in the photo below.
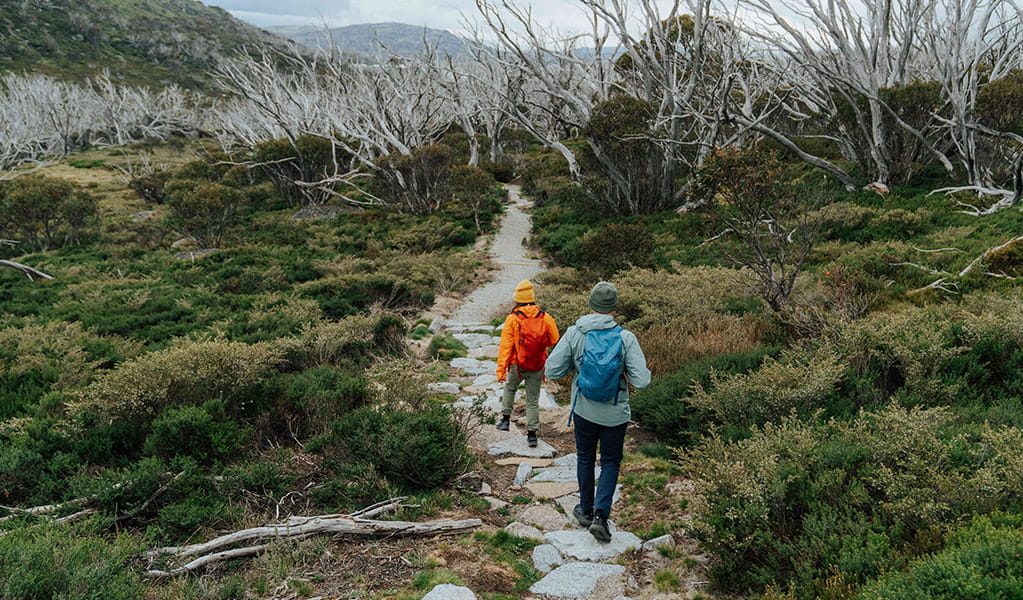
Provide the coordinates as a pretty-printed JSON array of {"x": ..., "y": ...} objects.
[
  {"x": 27, "y": 270},
  {"x": 355, "y": 524}
]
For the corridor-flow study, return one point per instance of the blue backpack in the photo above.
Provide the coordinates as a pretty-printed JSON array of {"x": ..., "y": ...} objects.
[{"x": 600, "y": 370}]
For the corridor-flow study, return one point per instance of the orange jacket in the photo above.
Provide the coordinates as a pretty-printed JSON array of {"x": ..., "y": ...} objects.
[{"x": 510, "y": 336}]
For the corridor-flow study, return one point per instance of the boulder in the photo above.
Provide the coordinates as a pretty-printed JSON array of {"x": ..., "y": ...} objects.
[{"x": 448, "y": 591}]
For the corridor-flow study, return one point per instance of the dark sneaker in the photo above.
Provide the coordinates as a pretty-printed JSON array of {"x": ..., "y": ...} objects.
[
  {"x": 505, "y": 423},
  {"x": 585, "y": 519},
  {"x": 599, "y": 529},
  {"x": 531, "y": 438}
]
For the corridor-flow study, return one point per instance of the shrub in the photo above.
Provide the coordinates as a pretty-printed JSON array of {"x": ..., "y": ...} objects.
[
  {"x": 37, "y": 210},
  {"x": 982, "y": 561},
  {"x": 616, "y": 247},
  {"x": 205, "y": 433},
  {"x": 419, "y": 449},
  {"x": 190, "y": 373},
  {"x": 51, "y": 356},
  {"x": 61, "y": 561},
  {"x": 150, "y": 186},
  {"x": 204, "y": 210},
  {"x": 418, "y": 181},
  {"x": 663, "y": 407},
  {"x": 321, "y": 395},
  {"x": 335, "y": 343},
  {"x": 808, "y": 506},
  {"x": 775, "y": 390},
  {"x": 668, "y": 347},
  {"x": 446, "y": 347},
  {"x": 307, "y": 158}
]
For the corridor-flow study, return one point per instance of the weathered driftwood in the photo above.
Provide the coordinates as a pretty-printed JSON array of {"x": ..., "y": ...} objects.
[
  {"x": 355, "y": 525},
  {"x": 27, "y": 270}
]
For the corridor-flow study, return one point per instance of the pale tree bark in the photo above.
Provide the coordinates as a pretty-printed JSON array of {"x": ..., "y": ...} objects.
[
  {"x": 358, "y": 524},
  {"x": 852, "y": 53}
]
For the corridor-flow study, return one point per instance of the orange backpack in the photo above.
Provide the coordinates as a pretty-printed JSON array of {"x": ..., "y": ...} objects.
[{"x": 531, "y": 351}]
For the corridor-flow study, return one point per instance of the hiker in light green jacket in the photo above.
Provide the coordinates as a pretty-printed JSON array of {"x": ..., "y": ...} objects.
[{"x": 598, "y": 422}]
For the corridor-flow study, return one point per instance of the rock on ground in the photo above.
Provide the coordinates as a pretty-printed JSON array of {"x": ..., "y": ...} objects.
[
  {"x": 447, "y": 591},
  {"x": 544, "y": 517},
  {"x": 546, "y": 557},
  {"x": 522, "y": 473},
  {"x": 577, "y": 580},
  {"x": 519, "y": 447},
  {"x": 579, "y": 544}
]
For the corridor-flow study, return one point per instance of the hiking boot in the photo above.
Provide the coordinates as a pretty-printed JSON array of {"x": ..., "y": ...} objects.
[
  {"x": 505, "y": 423},
  {"x": 585, "y": 519},
  {"x": 531, "y": 438},
  {"x": 599, "y": 529}
]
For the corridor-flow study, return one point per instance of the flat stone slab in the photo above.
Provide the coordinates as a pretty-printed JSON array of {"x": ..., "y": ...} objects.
[
  {"x": 447, "y": 591},
  {"x": 519, "y": 447},
  {"x": 474, "y": 340},
  {"x": 568, "y": 460},
  {"x": 538, "y": 463},
  {"x": 547, "y": 400},
  {"x": 576, "y": 580},
  {"x": 561, "y": 474},
  {"x": 544, "y": 517},
  {"x": 522, "y": 473},
  {"x": 579, "y": 544},
  {"x": 443, "y": 387},
  {"x": 551, "y": 489},
  {"x": 567, "y": 503},
  {"x": 664, "y": 541},
  {"x": 469, "y": 328},
  {"x": 524, "y": 531},
  {"x": 485, "y": 381},
  {"x": 546, "y": 557},
  {"x": 487, "y": 351},
  {"x": 495, "y": 503}
]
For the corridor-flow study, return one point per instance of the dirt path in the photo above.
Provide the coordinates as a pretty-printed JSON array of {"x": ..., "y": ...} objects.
[{"x": 509, "y": 253}]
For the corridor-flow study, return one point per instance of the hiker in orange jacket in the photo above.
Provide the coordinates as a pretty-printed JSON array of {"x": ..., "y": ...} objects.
[{"x": 527, "y": 336}]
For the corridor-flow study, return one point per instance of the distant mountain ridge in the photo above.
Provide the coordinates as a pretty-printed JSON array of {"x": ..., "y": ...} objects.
[
  {"x": 151, "y": 42},
  {"x": 371, "y": 38}
]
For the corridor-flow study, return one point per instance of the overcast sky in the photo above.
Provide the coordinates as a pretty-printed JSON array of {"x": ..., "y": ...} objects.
[{"x": 438, "y": 14}]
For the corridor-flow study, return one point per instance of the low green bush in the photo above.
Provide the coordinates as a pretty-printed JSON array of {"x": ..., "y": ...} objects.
[
  {"x": 983, "y": 561},
  {"x": 419, "y": 449},
  {"x": 664, "y": 406},
  {"x": 313, "y": 398},
  {"x": 446, "y": 347},
  {"x": 807, "y": 506},
  {"x": 205, "y": 433},
  {"x": 189, "y": 373},
  {"x": 49, "y": 561},
  {"x": 615, "y": 247}
]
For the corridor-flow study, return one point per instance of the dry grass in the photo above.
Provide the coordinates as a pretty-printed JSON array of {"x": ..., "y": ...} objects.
[{"x": 667, "y": 347}]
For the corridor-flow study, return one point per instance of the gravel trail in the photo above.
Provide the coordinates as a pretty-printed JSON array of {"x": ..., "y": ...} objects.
[{"x": 494, "y": 299}]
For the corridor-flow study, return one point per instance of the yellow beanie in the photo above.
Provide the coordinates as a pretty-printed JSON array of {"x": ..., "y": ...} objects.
[{"x": 524, "y": 293}]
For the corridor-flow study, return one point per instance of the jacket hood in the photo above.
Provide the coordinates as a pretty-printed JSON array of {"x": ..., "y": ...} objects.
[
  {"x": 530, "y": 310},
  {"x": 595, "y": 321}
]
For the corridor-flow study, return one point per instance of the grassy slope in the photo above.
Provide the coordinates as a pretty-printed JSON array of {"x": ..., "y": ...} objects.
[{"x": 152, "y": 42}]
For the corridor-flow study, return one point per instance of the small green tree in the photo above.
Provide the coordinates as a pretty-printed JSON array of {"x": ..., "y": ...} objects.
[
  {"x": 768, "y": 222},
  {"x": 417, "y": 181},
  {"x": 470, "y": 185},
  {"x": 203, "y": 210},
  {"x": 36, "y": 209}
]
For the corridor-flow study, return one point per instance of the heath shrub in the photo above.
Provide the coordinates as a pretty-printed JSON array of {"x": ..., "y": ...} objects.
[{"x": 188, "y": 373}]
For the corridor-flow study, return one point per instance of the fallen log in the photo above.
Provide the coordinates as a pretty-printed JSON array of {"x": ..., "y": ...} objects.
[{"x": 295, "y": 527}]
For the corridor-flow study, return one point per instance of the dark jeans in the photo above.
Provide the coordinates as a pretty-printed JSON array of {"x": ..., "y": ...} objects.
[{"x": 612, "y": 440}]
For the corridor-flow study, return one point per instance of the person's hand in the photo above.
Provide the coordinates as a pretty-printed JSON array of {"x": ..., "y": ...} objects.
[
  {"x": 501, "y": 378},
  {"x": 544, "y": 377}
]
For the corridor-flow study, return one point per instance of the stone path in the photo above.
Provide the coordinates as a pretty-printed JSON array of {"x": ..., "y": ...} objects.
[{"x": 576, "y": 565}]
